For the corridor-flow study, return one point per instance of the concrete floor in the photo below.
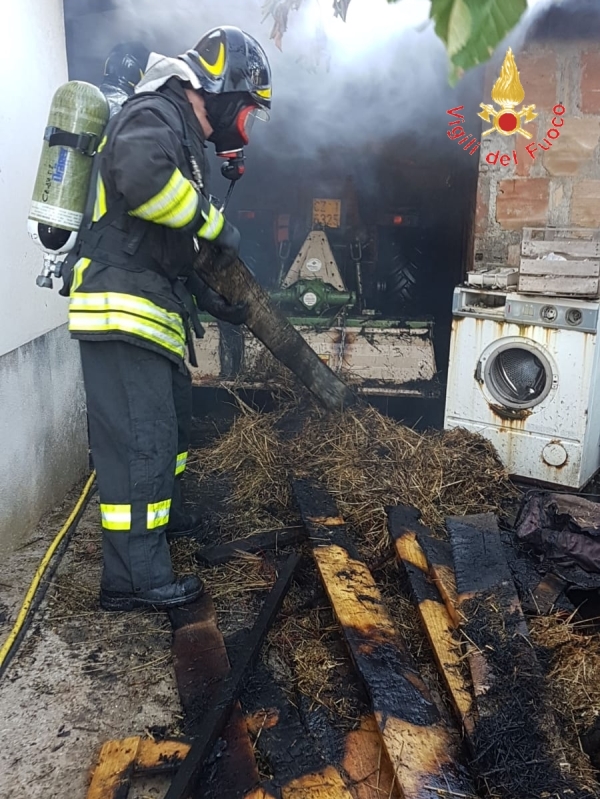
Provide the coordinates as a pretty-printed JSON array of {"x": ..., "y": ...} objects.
[{"x": 81, "y": 677}]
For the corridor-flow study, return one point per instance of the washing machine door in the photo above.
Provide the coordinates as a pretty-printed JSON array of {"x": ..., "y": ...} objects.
[{"x": 516, "y": 373}]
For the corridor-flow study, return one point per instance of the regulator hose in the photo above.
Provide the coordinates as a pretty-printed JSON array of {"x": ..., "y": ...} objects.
[{"x": 34, "y": 597}]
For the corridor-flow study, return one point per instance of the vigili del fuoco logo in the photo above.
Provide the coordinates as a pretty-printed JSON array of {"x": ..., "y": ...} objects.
[{"x": 508, "y": 93}]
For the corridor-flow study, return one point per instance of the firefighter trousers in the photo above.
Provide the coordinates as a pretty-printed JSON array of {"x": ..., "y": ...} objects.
[{"x": 139, "y": 416}]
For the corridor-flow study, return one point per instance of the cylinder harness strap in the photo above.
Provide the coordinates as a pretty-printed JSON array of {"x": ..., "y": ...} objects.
[{"x": 85, "y": 143}]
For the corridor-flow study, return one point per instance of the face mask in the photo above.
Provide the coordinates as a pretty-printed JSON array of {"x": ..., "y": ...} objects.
[{"x": 232, "y": 118}]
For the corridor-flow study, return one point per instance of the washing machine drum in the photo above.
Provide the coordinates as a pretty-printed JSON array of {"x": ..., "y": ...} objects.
[{"x": 517, "y": 377}]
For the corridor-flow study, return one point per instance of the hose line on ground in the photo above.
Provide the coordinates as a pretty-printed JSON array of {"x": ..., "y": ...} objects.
[{"x": 24, "y": 617}]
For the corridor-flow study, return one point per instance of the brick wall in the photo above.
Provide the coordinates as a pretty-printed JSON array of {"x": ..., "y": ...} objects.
[{"x": 561, "y": 186}]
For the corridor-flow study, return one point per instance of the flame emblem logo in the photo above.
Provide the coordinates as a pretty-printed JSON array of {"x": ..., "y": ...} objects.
[{"x": 508, "y": 93}]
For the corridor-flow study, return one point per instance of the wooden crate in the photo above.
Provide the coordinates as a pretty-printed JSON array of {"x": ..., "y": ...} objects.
[{"x": 577, "y": 276}]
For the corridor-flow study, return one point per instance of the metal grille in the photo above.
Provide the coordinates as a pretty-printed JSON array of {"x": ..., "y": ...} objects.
[{"x": 518, "y": 377}]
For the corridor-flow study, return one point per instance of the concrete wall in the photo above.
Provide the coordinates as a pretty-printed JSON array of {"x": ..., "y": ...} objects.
[
  {"x": 560, "y": 187},
  {"x": 43, "y": 448}
]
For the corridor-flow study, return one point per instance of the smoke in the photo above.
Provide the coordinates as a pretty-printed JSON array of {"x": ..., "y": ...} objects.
[
  {"x": 382, "y": 73},
  {"x": 345, "y": 95}
]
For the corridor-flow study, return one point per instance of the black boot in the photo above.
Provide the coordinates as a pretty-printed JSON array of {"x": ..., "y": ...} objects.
[
  {"x": 182, "y": 523},
  {"x": 180, "y": 592},
  {"x": 185, "y": 524}
]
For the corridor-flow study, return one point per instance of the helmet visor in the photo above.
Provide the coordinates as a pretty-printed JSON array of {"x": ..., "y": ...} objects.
[{"x": 246, "y": 119}]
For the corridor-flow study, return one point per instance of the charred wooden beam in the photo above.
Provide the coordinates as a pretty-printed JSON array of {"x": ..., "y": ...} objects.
[
  {"x": 200, "y": 661},
  {"x": 365, "y": 773},
  {"x": 113, "y": 773},
  {"x": 263, "y": 542},
  {"x": 441, "y": 570},
  {"x": 215, "y": 717},
  {"x": 516, "y": 739},
  {"x": 270, "y": 326},
  {"x": 405, "y": 527},
  {"x": 285, "y": 745},
  {"x": 421, "y": 747},
  {"x": 367, "y": 764},
  {"x": 325, "y": 784},
  {"x": 159, "y": 757},
  {"x": 120, "y": 761}
]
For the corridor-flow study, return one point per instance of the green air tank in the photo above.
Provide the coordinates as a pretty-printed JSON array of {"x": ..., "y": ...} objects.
[{"x": 78, "y": 116}]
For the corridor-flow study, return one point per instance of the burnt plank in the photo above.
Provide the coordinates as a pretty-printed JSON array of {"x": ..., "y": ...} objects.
[
  {"x": 112, "y": 776},
  {"x": 421, "y": 747},
  {"x": 263, "y": 542},
  {"x": 158, "y": 757},
  {"x": 216, "y": 716},
  {"x": 441, "y": 569},
  {"x": 479, "y": 561},
  {"x": 404, "y": 526},
  {"x": 367, "y": 764},
  {"x": 325, "y": 784},
  {"x": 539, "y": 594},
  {"x": 283, "y": 741},
  {"x": 365, "y": 772},
  {"x": 516, "y": 740},
  {"x": 200, "y": 661}
]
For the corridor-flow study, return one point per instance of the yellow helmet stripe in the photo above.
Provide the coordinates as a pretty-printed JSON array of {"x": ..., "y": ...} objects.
[
  {"x": 216, "y": 69},
  {"x": 265, "y": 93}
]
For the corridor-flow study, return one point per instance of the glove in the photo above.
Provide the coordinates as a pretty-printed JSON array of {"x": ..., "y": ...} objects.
[
  {"x": 216, "y": 305},
  {"x": 227, "y": 244}
]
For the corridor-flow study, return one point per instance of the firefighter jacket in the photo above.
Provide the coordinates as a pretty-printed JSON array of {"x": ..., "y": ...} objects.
[{"x": 147, "y": 205}]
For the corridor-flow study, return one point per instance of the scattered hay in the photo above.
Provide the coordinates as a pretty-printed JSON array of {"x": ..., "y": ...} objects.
[
  {"x": 571, "y": 658},
  {"x": 252, "y": 451},
  {"x": 237, "y": 588},
  {"x": 183, "y": 555},
  {"x": 307, "y": 653},
  {"x": 519, "y": 751},
  {"x": 243, "y": 575},
  {"x": 366, "y": 460}
]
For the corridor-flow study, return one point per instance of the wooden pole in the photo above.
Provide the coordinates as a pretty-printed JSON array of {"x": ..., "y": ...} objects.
[{"x": 271, "y": 327}]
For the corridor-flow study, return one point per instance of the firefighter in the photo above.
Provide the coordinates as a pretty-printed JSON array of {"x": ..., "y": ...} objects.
[
  {"x": 130, "y": 303},
  {"x": 123, "y": 70}
]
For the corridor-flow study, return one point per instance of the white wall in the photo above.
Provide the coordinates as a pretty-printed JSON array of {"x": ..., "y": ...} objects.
[
  {"x": 33, "y": 64},
  {"x": 43, "y": 434}
]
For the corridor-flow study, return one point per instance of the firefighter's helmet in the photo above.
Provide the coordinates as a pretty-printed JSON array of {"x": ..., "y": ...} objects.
[
  {"x": 126, "y": 64},
  {"x": 228, "y": 60}
]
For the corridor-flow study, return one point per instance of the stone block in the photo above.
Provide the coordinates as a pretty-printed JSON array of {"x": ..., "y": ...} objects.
[{"x": 522, "y": 202}]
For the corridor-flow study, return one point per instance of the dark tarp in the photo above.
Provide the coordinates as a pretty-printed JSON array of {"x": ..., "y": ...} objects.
[{"x": 565, "y": 530}]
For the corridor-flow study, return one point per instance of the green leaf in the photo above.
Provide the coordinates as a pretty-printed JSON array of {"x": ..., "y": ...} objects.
[
  {"x": 472, "y": 29},
  {"x": 459, "y": 27}
]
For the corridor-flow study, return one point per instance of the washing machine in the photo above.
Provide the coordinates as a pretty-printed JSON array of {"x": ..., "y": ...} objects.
[{"x": 524, "y": 374}]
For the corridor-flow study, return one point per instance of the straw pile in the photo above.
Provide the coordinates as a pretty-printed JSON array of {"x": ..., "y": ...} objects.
[
  {"x": 366, "y": 460},
  {"x": 571, "y": 657}
]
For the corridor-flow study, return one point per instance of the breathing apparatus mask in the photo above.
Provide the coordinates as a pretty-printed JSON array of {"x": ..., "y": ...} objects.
[{"x": 232, "y": 116}]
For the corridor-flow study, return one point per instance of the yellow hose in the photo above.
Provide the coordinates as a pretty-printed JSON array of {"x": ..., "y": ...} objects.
[{"x": 29, "y": 597}]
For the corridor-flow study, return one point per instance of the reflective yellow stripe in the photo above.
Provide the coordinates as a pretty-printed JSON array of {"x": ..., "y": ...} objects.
[
  {"x": 213, "y": 225},
  {"x": 265, "y": 93},
  {"x": 78, "y": 270},
  {"x": 102, "y": 143},
  {"x": 100, "y": 204},
  {"x": 181, "y": 463},
  {"x": 113, "y": 301},
  {"x": 174, "y": 206},
  {"x": 114, "y": 321},
  {"x": 158, "y": 514},
  {"x": 116, "y": 517}
]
